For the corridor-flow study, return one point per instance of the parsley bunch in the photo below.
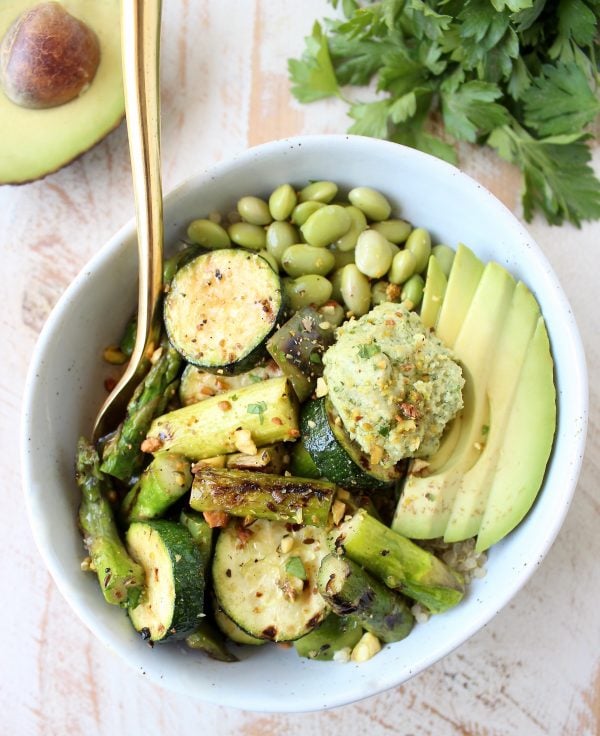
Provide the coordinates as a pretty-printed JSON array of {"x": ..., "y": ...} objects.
[{"x": 518, "y": 75}]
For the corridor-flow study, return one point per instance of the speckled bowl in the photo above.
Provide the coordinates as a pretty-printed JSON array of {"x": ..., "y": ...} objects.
[{"x": 64, "y": 390}]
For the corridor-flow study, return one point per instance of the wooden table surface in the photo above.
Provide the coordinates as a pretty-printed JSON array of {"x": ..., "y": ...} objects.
[{"x": 534, "y": 670}]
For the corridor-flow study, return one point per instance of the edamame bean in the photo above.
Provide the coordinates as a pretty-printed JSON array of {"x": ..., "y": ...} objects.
[
  {"x": 306, "y": 290},
  {"x": 326, "y": 225},
  {"x": 318, "y": 191},
  {"x": 393, "y": 248},
  {"x": 336, "y": 283},
  {"x": 342, "y": 258},
  {"x": 445, "y": 257},
  {"x": 254, "y": 210},
  {"x": 412, "y": 292},
  {"x": 208, "y": 234},
  {"x": 248, "y": 236},
  {"x": 396, "y": 231},
  {"x": 379, "y": 293},
  {"x": 282, "y": 201},
  {"x": 280, "y": 235},
  {"x": 356, "y": 290},
  {"x": 403, "y": 267},
  {"x": 419, "y": 244},
  {"x": 333, "y": 312},
  {"x": 304, "y": 210},
  {"x": 357, "y": 225},
  {"x": 301, "y": 259},
  {"x": 270, "y": 259},
  {"x": 371, "y": 202},
  {"x": 373, "y": 255}
]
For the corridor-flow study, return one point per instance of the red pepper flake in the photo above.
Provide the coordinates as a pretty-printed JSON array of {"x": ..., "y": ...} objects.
[
  {"x": 277, "y": 421},
  {"x": 110, "y": 383},
  {"x": 224, "y": 405}
]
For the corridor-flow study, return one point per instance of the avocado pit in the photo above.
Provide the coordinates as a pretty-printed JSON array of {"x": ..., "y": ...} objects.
[{"x": 47, "y": 57}]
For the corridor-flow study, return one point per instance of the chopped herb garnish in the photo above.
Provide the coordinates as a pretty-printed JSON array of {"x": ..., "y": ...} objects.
[
  {"x": 315, "y": 358},
  {"x": 384, "y": 430},
  {"x": 485, "y": 429},
  {"x": 295, "y": 567},
  {"x": 254, "y": 378},
  {"x": 368, "y": 351},
  {"x": 259, "y": 409}
]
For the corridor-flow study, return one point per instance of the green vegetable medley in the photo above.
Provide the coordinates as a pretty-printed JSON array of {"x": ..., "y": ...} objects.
[
  {"x": 520, "y": 76},
  {"x": 300, "y": 462}
]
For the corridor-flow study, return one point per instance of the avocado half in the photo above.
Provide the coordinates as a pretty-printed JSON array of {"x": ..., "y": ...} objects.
[{"x": 36, "y": 142}]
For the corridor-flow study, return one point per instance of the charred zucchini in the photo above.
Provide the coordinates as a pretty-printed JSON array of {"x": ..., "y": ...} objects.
[
  {"x": 334, "y": 454},
  {"x": 264, "y": 578},
  {"x": 197, "y": 385},
  {"x": 221, "y": 307},
  {"x": 174, "y": 575},
  {"x": 297, "y": 348}
]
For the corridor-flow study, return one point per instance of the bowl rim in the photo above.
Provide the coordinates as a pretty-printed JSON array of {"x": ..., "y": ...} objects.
[{"x": 109, "y": 251}]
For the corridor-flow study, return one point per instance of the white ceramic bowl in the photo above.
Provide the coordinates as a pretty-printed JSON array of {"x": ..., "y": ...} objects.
[{"x": 64, "y": 391}]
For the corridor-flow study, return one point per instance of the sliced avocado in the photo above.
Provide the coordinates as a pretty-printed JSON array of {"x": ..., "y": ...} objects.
[
  {"x": 433, "y": 293},
  {"x": 426, "y": 501},
  {"x": 36, "y": 142},
  {"x": 527, "y": 444},
  {"x": 462, "y": 282},
  {"x": 509, "y": 356}
]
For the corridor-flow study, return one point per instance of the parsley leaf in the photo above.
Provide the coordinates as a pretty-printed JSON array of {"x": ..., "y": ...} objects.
[
  {"x": 518, "y": 75},
  {"x": 558, "y": 178},
  {"x": 368, "y": 351},
  {"x": 560, "y": 101},
  {"x": 313, "y": 76},
  {"x": 260, "y": 408},
  {"x": 470, "y": 109}
]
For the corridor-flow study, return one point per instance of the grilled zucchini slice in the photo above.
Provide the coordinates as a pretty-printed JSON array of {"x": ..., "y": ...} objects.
[
  {"x": 264, "y": 578},
  {"x": 220, "y": 309},
  {"x": 174, "y": 566}
]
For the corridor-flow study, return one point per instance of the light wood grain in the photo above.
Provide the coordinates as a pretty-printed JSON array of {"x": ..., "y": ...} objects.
[{"x": 535, "y": 670}]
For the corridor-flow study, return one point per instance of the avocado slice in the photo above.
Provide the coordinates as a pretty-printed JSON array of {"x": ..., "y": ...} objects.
[
  {"x": 463, "y": 280},
  {"x": 458, "y": 292},
  {"x": 36, "y": 142},
  {"x": 433, "y": 293},
  {"x": 527, "y": 444},
  {"x": 426, "y": 501},
  {"x": 509, "y": 357}
]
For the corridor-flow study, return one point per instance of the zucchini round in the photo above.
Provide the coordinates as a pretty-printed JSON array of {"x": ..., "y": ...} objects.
[
  {"x": 335, "y": 455},
  {"x": 174, "y": 580},
  {"x": 258, "y": 577},
  {"x": 220, "y": 309},
  {"x": 232, "y": 631}
]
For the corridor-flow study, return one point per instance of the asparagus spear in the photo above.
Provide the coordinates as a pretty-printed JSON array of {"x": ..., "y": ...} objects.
[
  {"x": 121, "y": 579},
  {"x": 351, "y": 591},
  {"x": 164, "y": 481},
  {"x": 240, "y": 420},
  {"x": 208, "y": 639},
  {"x": 262, "y": 495},
  {"x": 122, "y": 455},
  {"x": 332, "y": 635},
  {"x": 399, "y": 563},
  {"x": 200, "y": 531}
]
